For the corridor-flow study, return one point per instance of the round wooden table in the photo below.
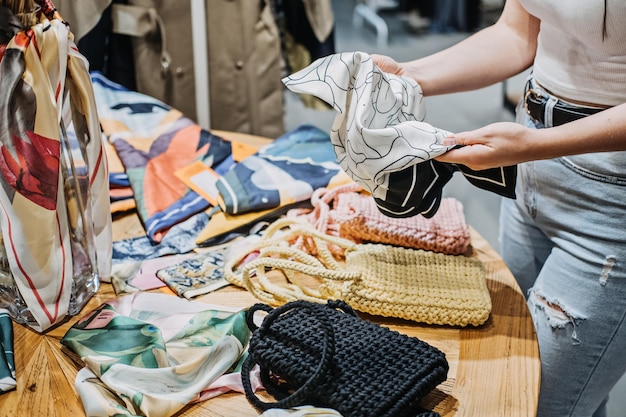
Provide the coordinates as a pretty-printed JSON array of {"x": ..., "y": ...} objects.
[{"x": 494, "y": 368}]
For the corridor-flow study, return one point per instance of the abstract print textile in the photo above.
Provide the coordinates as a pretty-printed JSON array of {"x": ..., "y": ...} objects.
[
  {"x": 181, "y": 238},
  {"x": 284, "y": 172},
  {"x": 46, "y": 90},
  {"x": 153, "y": 141},
  {"x": 380, "y": 138},
  {"x": 132, "y": 276},
  {"x": 7, "y": 359},
  {"x": 196, "y": 275},
  {"x": 155, "y": 353}
]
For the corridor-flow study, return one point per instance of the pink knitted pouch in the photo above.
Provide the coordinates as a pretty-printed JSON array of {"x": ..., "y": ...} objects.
[{"x": 348, "y": 213}]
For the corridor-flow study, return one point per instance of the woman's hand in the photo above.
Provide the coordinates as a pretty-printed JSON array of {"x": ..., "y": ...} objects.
[
  {"x": 495, "y": 145},
  {"x": 387, "y": 64},
  {"x": 391, "y": 66}
]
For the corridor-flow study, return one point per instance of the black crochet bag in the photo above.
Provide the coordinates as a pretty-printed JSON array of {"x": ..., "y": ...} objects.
[{"x": 326, "y": 356}]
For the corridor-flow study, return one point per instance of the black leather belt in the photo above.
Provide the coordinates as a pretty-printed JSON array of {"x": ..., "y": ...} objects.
[{"x": 562, "y": 112}]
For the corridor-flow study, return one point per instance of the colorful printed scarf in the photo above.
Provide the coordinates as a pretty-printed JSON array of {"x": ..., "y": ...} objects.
[
  {"x": 156, "y": 353},
  {"x": 153, "y": 141},
  {"x": 7, "y": 358},
  {"x": 285, "y": 172}
]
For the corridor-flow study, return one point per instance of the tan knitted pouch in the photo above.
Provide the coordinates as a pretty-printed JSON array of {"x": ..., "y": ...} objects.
[{"x": 378, "y": 279}]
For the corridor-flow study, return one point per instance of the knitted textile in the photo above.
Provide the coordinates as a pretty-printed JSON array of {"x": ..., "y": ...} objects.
[
  {"x": 415, "y": 285},
  {"x": 353, "y": 215},
  {"x": 325, "y": 355},
  {"x": 378, "y": 279}
]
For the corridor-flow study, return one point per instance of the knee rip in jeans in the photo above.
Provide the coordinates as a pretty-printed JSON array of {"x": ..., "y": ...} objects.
[{"x": 555, "y": 313}]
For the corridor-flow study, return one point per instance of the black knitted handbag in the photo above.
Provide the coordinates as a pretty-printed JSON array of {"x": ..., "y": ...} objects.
[{"x": 326, "y": 356}]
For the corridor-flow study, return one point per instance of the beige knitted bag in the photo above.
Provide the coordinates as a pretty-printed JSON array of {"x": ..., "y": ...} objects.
[{"x": 378, "y": 279}]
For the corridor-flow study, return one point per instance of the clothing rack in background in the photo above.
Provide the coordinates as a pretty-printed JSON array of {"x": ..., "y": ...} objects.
[
  {"x": 200, "y": 58},
  {"x": 368, "y": 10}
]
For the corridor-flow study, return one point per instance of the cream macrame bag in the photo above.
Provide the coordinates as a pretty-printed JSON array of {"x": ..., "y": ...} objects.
[{"x": 377, "y": 279}]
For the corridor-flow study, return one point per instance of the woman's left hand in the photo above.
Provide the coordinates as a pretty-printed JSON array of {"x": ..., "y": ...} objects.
[{"x": 495, "y": 145}]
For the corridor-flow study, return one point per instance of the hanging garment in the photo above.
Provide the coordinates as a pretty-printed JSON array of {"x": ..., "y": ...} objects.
[
  {"x": 244, "y": 88},
  {"x": 307, "y": 33},
  {"x": 380, "y": 138},
  {"x": 82, "y": 15}
]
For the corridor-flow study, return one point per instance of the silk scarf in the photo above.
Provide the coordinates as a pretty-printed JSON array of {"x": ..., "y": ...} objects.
[
  {"x": 380, "y": 137},
  {"x": 47, "y": 91}
]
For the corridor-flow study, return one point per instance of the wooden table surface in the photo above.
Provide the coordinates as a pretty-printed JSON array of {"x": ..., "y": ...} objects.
[{"x": 494, "y": 368}]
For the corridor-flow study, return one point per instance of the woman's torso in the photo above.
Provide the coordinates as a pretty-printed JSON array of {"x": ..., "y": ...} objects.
[
  {"x": 573, "y": 60},
  {"x": 581, "y": 57}
]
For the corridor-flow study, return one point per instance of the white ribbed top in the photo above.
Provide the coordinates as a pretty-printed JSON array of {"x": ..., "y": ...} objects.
[{"x": 573, "y": 61}]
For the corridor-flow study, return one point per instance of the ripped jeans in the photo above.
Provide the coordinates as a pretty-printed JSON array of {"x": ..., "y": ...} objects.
[{"x": 564, "y": 239}]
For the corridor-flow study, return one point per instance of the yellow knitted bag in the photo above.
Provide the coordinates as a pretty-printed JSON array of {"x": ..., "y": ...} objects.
[{"x": 377, "y": 279}]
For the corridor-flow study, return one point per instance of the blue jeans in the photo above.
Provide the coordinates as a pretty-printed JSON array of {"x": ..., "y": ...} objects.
[{"x": 564, "y": 239}]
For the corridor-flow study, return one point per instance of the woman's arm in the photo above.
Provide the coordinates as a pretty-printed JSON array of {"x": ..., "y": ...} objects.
[
  {"x": 506, "y": 143},
  {"x": 491, "y": 55}
]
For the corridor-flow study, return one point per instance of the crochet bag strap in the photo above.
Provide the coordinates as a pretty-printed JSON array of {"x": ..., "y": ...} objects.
[
  {"x": 280, "y": 249},
  {"x": 324, "y": 202},
  {"x": 308, "y": 389}
]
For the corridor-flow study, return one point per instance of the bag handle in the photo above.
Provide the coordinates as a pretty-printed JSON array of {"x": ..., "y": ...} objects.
[
  {"x": 279, "y": 249},
  {"x": 324, "y": 202},
  {"x": 308, "y": 389}
]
